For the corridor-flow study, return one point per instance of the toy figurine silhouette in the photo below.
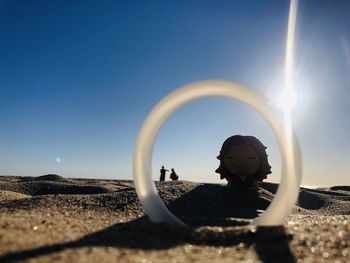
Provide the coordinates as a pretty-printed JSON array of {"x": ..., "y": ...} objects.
[
  {"x": 162, "y": 174},
  {"x": 173, "y": 175},
  {"x": 243, "y": 161}
]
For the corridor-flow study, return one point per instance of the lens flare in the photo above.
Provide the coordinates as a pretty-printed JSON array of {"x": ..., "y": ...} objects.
[{"x": 287, "y": 98}]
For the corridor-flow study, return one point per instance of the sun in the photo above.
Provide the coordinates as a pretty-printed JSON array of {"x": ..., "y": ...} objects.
[{"x": 287, "y": 99}]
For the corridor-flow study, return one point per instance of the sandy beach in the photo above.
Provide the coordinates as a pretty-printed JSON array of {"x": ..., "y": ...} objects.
[{"x": 55, "y": 219}]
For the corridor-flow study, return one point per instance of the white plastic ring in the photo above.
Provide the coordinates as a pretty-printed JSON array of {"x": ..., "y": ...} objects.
[{"x": 288, "y": 189}]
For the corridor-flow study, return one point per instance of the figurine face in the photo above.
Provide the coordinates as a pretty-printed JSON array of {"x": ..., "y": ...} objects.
[{"x": 242, "y": 160}]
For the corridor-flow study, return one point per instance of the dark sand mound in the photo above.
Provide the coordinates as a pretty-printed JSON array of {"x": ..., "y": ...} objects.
[
  {"x": 53, "y": 184},
  {"x": 51, "y": 188},
  {"x": 331, "y": 202},
  {"x": 209, "y": 200},
  {"x": 340, "y": 188},
  {"x": 49, "y": 177},
  {"x": 80, "y": 220}
]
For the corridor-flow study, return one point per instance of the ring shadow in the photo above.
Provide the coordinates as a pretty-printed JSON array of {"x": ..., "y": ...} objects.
[{"x": 205, "y": 208}]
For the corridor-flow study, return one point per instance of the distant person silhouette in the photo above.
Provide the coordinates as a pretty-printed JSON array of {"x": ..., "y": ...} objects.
[
  {"x": 173, "y": 175},
  {"x": 162, "y": 174}
]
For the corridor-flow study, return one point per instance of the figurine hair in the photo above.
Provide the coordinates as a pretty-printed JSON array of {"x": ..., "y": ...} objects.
[{"x": 260, "y": 149}]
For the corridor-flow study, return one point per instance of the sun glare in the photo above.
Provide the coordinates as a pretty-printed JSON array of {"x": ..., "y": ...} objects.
[{"x": 287, "y": 99}]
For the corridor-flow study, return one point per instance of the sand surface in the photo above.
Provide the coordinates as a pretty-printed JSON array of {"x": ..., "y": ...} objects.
[{"x": 54, "y": 219}]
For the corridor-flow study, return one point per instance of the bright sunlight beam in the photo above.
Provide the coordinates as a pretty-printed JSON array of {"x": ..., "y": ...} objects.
[{"x": 287, "y": 98}]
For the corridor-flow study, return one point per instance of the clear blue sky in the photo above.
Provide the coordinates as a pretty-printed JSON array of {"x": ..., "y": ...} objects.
[{"x": 77, "y": 79}]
